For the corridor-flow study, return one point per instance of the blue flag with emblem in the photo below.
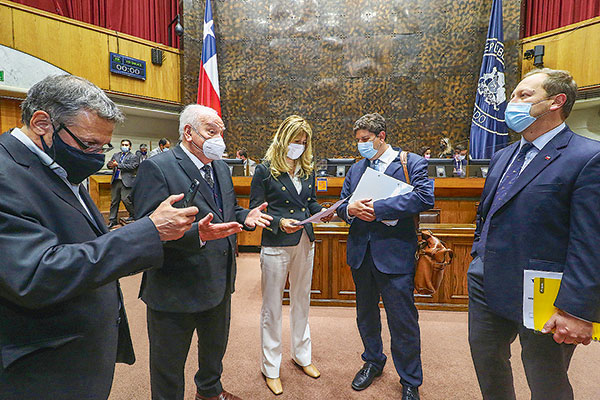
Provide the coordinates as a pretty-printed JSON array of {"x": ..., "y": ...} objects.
[{"x": 488, "y": 129}]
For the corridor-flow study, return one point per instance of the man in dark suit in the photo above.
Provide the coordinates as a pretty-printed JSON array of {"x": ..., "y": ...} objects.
[
  {"x": 124, "y": 165},
  {"x": 192, "y": 292},
  {"x": 142, "y": 153},
  {"x": 538, "y": 211},
  {"x": 62, "y": 318},
  {"x": 381, "y": 252}
]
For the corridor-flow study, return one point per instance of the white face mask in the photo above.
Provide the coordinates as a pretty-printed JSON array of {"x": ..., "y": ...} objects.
[
  {"x": 214, "y": 148},
  {"x": 295, "y": 150}
]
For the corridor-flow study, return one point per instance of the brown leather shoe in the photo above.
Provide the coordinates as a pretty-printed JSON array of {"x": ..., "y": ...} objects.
[
  {"x": 309, "y": 370},
  {"x": 223, "y": 396}
]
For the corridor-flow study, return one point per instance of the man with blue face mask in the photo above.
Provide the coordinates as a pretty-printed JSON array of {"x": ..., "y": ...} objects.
[
  {"x": 381, "y": 252},
  {"x": 538, "y": 211},
  {"x": 124, "y": 165}
]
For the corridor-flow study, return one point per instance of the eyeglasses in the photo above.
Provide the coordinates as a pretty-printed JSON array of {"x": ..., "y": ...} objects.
[{"x": 85, "y": 147}]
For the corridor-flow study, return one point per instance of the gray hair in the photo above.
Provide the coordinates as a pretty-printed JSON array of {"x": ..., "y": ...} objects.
[
  {"x": 557, "y": 82},
  {"x": 63, "y": 97},
  {"x": 193, "y": 115},
  {"x": 373, "y": 123}
]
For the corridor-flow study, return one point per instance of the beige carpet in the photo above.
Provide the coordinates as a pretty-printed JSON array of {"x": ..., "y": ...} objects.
[{"x": 447, "y": 367}]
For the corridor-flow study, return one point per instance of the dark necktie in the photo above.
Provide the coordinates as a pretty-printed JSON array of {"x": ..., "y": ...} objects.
[
  {"x": 509, "y": 178},
  {"x": 208, "y": 176}
]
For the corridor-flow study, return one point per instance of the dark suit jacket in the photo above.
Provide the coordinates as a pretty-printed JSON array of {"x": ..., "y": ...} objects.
[
  {"x": 128, "y": 167},
  {"x": 550, "y": 221},
  {"x": 392, "y": 247},
  {"x": 59, "y": 299},
  {"x": 193, "y": 278},
  {"x": 284, "y": 202}
]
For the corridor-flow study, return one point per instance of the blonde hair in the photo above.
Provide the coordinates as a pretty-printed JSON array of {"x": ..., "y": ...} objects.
[{"x": 276, "y": 154}]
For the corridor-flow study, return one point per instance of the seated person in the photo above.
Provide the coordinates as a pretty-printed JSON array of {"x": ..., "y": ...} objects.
[{"x": 460, "y": 161}]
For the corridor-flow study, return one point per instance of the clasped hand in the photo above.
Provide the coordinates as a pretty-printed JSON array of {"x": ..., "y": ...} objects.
[
  {"x": 362, "y": 209},
  {"x": 568, "y": 329}
]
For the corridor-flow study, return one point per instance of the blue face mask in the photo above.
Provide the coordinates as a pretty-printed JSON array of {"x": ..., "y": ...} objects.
[
  {"x": 518, "y": 117},
  {"x": 366, "y": 149}
]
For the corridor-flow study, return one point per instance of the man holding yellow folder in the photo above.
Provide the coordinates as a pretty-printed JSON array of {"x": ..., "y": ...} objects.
[{"x": 538, "y": 211}]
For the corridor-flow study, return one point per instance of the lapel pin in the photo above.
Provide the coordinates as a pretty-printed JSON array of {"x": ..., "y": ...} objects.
[{"x": 547, "y": 157}]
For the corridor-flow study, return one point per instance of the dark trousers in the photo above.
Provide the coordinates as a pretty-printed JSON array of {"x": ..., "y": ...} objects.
[
  {"x": 118, "y": 193},
  {"x": 490, "y": 336},
  {"x": 170, "y": 337},
  {"x": 403, "y": 319}
]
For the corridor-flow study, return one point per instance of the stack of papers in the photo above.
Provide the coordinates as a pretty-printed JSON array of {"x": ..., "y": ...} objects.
[{"x": 377, "y": 185}]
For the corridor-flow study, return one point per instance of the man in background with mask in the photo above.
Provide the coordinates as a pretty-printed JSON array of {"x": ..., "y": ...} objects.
[
  {"x": 62, "y": 318},
  {"x": 538, "y": 211},
  {"x": 381, "y": 252},
  {"x": 124, "y": 165},
  {"x": 164, "y": 144},
  {"x": 142, "y": 153},
  {"x": 198, "y": 296}
]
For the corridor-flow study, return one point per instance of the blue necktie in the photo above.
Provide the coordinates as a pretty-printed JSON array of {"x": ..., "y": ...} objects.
[
  {"x": 505, "y": 184},
  {"x": 509, "y": 178},
  {"x": 375, "y": 164}
]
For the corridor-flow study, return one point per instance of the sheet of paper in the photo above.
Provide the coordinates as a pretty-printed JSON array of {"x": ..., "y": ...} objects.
[
  {"x": 528, "y": 288},
  {"x": 325, "y": 213},
  {"x": 377, "y": 185}
]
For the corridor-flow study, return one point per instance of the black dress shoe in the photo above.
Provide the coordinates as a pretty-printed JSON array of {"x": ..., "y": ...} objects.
[
  {"x": 410, "y": 393},
  {"x": 365, "y": 376},
  {"x": 112, "y": 224}
]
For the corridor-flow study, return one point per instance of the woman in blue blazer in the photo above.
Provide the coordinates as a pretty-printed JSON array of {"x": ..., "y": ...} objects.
[{"x": 286, "y": 180}]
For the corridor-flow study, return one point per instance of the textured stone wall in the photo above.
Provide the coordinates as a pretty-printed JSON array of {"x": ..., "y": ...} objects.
[{"x": 415, "y": 61}]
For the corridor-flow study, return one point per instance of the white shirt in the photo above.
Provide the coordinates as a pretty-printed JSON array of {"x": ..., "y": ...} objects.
[
  {"x": 538, "y": 145},
  {"x": 386, "y": 158},
  {"x": 296, "y": 179},
  {"x": 47, "y": 161}
]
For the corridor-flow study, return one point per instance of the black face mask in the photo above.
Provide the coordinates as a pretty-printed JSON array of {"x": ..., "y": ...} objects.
[{"x": 79, "y": 165}]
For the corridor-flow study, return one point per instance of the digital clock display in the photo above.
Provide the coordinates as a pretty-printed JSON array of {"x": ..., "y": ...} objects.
[{"x": 123, "y": 65}]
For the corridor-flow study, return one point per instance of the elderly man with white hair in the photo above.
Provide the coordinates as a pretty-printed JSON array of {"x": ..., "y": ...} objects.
[{"x": 192, "y": 292}]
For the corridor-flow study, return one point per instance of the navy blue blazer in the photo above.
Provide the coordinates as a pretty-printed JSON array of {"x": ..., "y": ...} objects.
[
  {"x": 549, "y": 221},
  {"x": 60, "y": 306},
  {"x": 193, "y": 278},
  {"x": 392, "y": 247},
  {"x": 284, "y": 202}
]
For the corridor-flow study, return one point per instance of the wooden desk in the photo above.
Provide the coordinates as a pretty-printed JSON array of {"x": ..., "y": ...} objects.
[{"x": 332, "y": 279}]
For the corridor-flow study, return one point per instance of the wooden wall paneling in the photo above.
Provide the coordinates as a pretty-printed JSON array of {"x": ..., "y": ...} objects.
[
  {"x": 573, "y": 48},
  {"x": 10, "y": 114},
  {"x": 6, "y": 26},
  {"x": 161, "y": 81},
  {"x": 455, "y": 211},
  {"x": 320, "y": 280},
  {"x": 79, "y": 51},
  {"x": 248, "y": 238}
]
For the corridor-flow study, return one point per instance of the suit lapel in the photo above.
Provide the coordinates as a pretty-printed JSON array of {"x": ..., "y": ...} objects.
[
  {"x": 221, "y": 171},
  {"x": 190, "y": 169},
  {"x": 493, "y": 179},
  {"x": 289, "y": 185},
  {"x": 395, "y": 165},
  {"x": 98, "y": 219},
  {"x": 545, "y": 157},
  {"x": 362, "y": 167}
]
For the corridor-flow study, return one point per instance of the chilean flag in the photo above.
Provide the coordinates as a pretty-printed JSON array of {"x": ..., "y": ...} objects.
[{"x": 208, "y": 83}]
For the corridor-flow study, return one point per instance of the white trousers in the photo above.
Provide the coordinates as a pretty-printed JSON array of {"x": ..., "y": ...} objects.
[{"x": 275, "y": 264}]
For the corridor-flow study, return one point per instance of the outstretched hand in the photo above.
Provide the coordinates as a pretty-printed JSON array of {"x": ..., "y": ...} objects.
[
  {"x": 568, "y": 329},
  {"x": 210, "y": 231},
  {"x": 172, "y": 222},
  {"x": 256, "y": 217}
]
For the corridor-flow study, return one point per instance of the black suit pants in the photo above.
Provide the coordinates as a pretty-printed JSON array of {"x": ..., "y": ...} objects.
[
  {"x": 490, "y": 336},
  {"x": 170, "y": 337}
]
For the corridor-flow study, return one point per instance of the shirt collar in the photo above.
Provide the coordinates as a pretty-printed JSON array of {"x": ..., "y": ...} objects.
[
  {"x": 45, "y": 159},
  {"x": 543, "y": 140},
  {"x": 388, "y": 156},
  {"x": 199, "y": 164}
]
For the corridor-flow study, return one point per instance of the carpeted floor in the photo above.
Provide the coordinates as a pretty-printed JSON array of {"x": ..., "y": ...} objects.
[{"x": 447, "y": 367}]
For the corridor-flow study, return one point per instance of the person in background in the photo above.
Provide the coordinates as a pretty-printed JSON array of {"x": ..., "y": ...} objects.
[
  {"x": 124, "y": 165},
  {"x": 249, "y": 164},
  {"x": 142, "y": 153},
  {"x": 381, "y": 253},
  {"x": 192, "y": 292},
  {"x": 460, "y": 161},
  {"x": 286, "y": 181},
  {"x": 62, "y": 317},
  {"x": 163, "y": 145},
  {"x": 445, "y": 148},
  {"x": 425, "y": 152},
  {"x": 538, "y": 211}
]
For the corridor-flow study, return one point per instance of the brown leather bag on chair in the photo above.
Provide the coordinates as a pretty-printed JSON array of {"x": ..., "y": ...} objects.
[{"x": 432, "y": 255}]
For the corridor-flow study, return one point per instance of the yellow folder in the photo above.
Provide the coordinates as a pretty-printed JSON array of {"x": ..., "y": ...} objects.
[{"x": 544, "y": 295}]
